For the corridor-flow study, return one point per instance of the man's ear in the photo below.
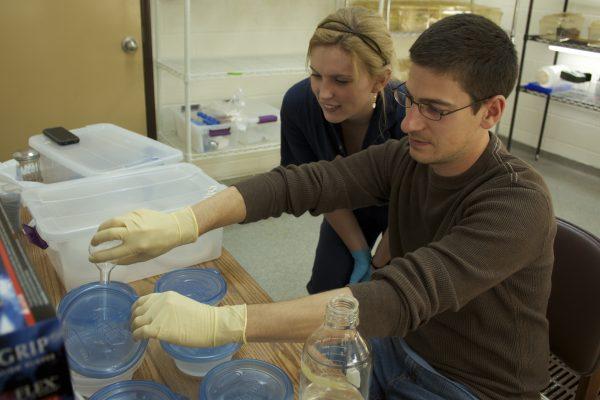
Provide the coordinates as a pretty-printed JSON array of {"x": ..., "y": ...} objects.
[{"x": 492, "y": 111}]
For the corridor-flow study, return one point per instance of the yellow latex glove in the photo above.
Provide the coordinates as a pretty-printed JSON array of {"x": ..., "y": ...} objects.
[
  {"x": 177, "y": 319},
  {"x": 145, "y": 234}
]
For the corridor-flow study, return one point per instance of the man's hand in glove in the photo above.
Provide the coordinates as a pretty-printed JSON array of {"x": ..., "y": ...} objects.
[
  {"x": 145, "y": 234},
  {"x": 177, "y": 319}
]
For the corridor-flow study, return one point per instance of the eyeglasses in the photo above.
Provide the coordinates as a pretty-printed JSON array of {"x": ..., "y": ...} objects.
[{"x": 426, "y": 110}]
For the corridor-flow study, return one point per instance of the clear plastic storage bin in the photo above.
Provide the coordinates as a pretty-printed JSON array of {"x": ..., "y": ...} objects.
[
  {"x": 418, "y": 15},
  {"x": 102, "y": 148},
  {"x": 561, "y": 26},
  {"x": 244, "y": 128},
  {"x": 100, "y": 348},
  {"x": 67, "y": 215}
]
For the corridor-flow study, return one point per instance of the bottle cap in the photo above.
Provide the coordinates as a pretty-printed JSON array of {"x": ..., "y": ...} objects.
[{"x": 26, "y": 155}]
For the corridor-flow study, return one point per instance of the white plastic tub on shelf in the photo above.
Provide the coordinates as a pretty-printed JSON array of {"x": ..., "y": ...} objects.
[
  {"x": 102, "y": 148},
  {"x": 67, "y": 215}
]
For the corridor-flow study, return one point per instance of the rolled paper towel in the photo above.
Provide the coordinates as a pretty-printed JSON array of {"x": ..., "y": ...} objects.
[{"x": 549, "y": 75}]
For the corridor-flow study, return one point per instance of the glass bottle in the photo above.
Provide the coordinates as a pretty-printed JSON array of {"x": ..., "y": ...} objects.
[
  {"x": 29, "y": 165},
  {"x": 336, "y": 360}
]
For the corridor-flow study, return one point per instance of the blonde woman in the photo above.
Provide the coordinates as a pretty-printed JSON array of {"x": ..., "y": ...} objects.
[{"x": 345, "y": 106}]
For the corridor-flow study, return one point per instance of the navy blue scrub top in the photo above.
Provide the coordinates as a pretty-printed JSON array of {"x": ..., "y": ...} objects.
[{"x": 306, "y": 136}]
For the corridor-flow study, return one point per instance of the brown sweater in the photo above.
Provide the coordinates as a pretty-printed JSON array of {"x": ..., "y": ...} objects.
[{"x": 469, "y": 281}]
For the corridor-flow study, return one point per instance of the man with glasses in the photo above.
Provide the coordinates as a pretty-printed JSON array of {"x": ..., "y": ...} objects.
[{"x": 459, "y": 312}]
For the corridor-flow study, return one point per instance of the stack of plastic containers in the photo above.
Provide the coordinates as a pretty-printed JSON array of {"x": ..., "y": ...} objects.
[
  {"x": 206, "y": 286},
  {"x": 143, "y": 390},
  {"x": 246, "y": 379},
  {"x": 95, "y": 321}
]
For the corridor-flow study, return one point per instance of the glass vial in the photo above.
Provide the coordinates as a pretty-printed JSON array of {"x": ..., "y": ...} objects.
[
  {"x": 336, "y": 360},
  {"x": 29, "y": 165}
]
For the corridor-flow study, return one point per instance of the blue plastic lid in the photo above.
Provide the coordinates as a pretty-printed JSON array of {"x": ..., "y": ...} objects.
[
  {"x": 127, "y": 390},
  {"x": 199, "y": 355},
  {"x": 74, "y": 293},
  {"x": 95, "y": 324},
  {"x": 246, "y": 379},
  {"x": 203, "y": 285}
]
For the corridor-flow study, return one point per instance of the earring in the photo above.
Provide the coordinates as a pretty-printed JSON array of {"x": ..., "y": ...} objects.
[{"x": 374, "y": 101}]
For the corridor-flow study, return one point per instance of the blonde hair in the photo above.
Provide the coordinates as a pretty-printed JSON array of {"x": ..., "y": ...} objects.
[{"x": 363, "y": 34}]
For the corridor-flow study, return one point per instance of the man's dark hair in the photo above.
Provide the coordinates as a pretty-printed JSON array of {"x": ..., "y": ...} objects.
[{"x": 473, "y": 50}]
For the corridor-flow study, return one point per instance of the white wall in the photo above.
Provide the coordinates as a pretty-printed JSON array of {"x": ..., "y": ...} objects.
[{"x": 238, "y": 27}]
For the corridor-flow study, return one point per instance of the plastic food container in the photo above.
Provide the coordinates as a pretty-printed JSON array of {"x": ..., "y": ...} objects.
[
  {"x": 196, "y": 361},
  {"x": 561, "y": 26},
  {"x": 414, "y": 18},
  {"x": 248, "y": 379},
  {"x": 102, "y": 148},
  {"x": 594, "y": 34},
  {"x": 206, "y": 286},
  {"x": 95, "y": 322},
  {"x": 128, "y": 390},
  {"x": 67, "y": 215}
]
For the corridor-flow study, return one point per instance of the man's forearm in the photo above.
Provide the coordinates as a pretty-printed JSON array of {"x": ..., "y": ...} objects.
[
  {"x": 289, "y": 321},
  {"x": 344, "y": 223},
  {"x": 225, "y": 208}
]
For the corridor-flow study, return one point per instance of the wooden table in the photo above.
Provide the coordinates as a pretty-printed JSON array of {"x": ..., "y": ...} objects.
[{"x": 157, "y": 365}]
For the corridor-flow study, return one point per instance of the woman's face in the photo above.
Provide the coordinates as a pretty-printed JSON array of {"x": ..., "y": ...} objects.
[{"x": 342, "y": 95}]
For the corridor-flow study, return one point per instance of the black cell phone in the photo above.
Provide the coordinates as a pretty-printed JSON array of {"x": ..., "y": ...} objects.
[{"x": 61, "y": 136}]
